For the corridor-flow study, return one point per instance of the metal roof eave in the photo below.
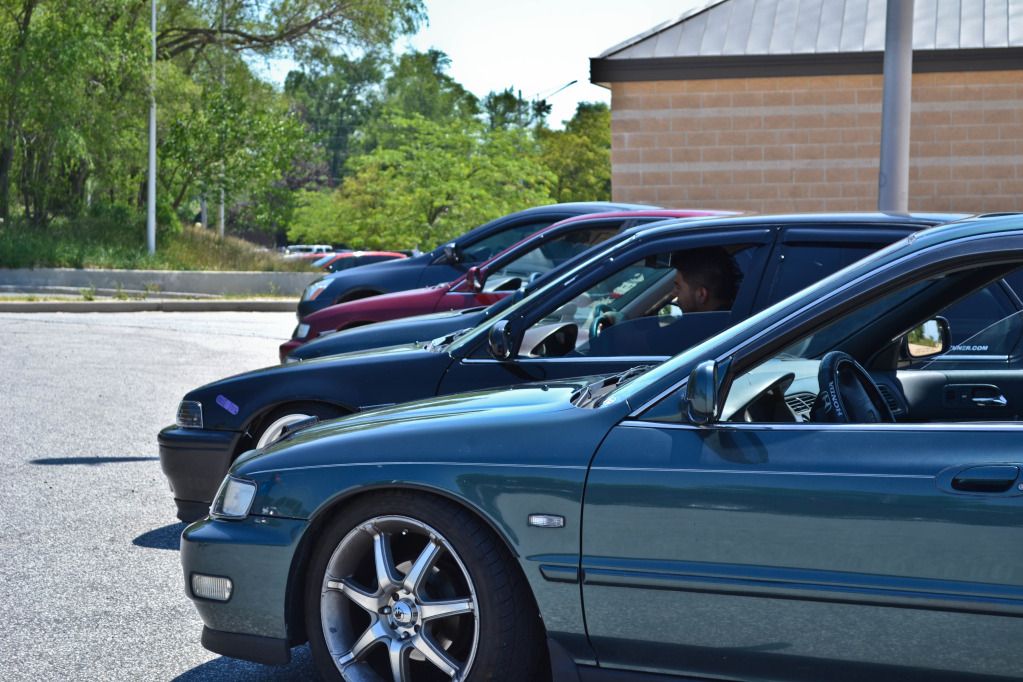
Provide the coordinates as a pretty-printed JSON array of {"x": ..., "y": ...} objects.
[{"x": 605, "y": 71}]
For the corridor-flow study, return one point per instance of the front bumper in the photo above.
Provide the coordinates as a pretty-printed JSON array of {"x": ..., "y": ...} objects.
[
  {"x": 290, "y": 345},
  {"x": 307, "y": 308},
  {"x": 257, "y": 554},
  {"x": 195, "y": 462}
]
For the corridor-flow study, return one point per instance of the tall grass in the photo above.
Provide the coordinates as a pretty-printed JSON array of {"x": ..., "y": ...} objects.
[{"x": 114, "y": 238}]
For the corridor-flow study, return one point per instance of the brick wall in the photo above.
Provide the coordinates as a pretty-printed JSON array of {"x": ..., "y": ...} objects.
[{"x": 812, "y": 144}]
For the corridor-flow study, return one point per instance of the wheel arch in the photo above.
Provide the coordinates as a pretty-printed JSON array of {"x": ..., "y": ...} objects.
[
  {"x": 294, "y": 603},
  {"x": 357, "y": 294},
  {"x": 247, "y": 438}
]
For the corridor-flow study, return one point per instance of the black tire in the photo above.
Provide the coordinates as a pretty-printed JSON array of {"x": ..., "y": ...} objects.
[
  {"x": 507, "y": 633},
  {"x": 305, "y": 409}
]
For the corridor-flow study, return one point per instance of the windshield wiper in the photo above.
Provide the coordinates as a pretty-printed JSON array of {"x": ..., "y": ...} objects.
[
  {"x": 442, "y": 342},
  {"x": 594, "y": 393},
  {"x": 630, "y": 374}
]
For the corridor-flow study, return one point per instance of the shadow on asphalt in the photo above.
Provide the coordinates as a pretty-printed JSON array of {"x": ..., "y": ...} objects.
[
  {"x": 92, "y": 461},
  {"x": 300, "y": 668},
  {"x": 167, "y": 537}
]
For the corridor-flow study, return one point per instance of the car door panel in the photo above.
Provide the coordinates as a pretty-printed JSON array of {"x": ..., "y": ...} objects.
[
  {"x": 718, "y": 551},
  {"x": 963, "y": 395}
]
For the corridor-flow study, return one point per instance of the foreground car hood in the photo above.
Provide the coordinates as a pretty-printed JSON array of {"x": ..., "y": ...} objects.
[{"x": 493, "y": 415}]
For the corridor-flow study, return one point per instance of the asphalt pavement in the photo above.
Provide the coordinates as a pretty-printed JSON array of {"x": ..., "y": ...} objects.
[{"x": 89, "y": 569}]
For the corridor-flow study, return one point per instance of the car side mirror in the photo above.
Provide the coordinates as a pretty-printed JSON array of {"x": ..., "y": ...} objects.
[
  {"x": 700, "y": 403},
  {"x": 451, "y": 254},
  {"x": 931, "y": 338},
  {"x": 503, "y": 341},
  {"x": 475, "y": 279}
]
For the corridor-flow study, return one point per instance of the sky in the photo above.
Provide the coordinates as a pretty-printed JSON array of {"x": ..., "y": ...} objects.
[{"x": 534, "y": 46}]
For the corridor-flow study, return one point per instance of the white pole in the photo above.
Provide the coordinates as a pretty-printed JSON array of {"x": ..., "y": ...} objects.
[
  {"x": 893, "y": 178},
  {"x": 223, "y": 59},
  {"x": 151, "y": 193}
]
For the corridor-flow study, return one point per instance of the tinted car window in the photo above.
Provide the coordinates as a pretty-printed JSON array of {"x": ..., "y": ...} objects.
[
  {"x": 629, "y": 312},
  {"x": 555, "y": 252},
  {"x": 975, "y": 312},
  {"x": 342, "y": 264},
  {"x": 495, "y": 243},
  {"x": 803, "y": 264}
]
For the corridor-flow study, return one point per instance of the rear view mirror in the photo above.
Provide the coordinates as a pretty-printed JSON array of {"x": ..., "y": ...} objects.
[
  {"x": 451, "y": 254},
  {"x": 701, "y": 399},
  {"x": 503, "y": 341},
  {"x": 475, "y": 279},
  {"x": 931, "y": 338}
]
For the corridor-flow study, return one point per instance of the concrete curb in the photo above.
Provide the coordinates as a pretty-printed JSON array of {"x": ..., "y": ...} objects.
[
  {"x": 155, "y": 281},
  {"x": 240, "y": 305}
]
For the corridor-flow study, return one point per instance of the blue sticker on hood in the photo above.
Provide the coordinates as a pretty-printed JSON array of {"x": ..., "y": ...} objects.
[{"x": 227, "y": 404}]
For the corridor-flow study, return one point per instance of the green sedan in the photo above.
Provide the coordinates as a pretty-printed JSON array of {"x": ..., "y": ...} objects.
[{"x": 829, "y": 490}]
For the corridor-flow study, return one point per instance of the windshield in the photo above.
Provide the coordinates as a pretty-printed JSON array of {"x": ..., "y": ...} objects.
[
  {"x": 546, "y": 256},
  {"x": 549, "y": 288}
]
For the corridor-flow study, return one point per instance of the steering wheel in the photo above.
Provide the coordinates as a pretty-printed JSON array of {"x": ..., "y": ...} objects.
[
  {"x": 604, "y": 316},
  {"x": 848, "y": 394}
]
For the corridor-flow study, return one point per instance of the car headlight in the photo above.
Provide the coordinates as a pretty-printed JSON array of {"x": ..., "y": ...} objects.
[
  {"x": 189, "y": 414},
  {"x": 301, "y": 331},
  {"x": 234, "y": 499},
  {"x": 315, "y": 289}
]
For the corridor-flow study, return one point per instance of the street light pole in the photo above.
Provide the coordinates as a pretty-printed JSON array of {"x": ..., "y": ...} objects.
[
  {"x": 151, "y": 189},
  {"x": 223, "y": 59},
  {"x": 893, "y": 176}
]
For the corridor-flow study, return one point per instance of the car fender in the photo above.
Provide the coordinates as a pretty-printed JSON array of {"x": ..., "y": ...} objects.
[{"x": 524, "y": 473}]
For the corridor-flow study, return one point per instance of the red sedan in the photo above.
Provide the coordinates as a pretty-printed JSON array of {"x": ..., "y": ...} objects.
[
  {"x": 335, "y": 262},
  {"x": 488, "y": 283}
]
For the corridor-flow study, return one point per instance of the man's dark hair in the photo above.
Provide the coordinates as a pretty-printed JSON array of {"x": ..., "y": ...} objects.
[{"x": 711, "y": 267}]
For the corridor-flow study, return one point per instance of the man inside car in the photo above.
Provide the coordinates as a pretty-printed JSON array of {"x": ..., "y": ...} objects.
[{"x": 705, "y": 279}]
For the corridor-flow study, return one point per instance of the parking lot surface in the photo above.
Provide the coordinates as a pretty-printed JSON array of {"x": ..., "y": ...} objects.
[{"x": 89, "y": 569}]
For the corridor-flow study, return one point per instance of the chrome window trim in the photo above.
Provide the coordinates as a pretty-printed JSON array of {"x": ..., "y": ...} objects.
[
  {"x": 765, "y": 472},
  {"x": 582, "y": 359},
  {"x": 969, "y": 358},
  {"x": 827, "y": 297},
  {"x": 808, "y": 426},
  {"x": 342, "y": 465}
]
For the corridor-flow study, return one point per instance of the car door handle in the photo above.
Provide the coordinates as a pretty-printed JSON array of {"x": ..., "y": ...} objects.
[
  {"x": 992, "y": 401},
  {"x": 986, "y": 479}
]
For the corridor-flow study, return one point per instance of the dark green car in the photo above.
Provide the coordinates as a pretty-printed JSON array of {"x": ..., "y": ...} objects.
[{"x": 816, "y": 493}]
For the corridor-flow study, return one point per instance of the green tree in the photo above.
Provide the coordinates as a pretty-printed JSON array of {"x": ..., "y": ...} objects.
[
  {"x": 334, "y": 96},
  {"x": 507, "y": 109},
  {"x": 191, "y": 27},
  {"x": 240, "y": 138},
  {"x": 69, "y": 68},
  {"x": 76, "y": 90},
  {"x": 580, "y": 155},
  {"x": 420, "y": 85},
  {"x": 433, "y": 181}
]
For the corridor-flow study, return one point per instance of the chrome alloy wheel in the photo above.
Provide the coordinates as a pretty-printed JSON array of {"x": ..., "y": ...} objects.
[{"x": 397, "y": 603}]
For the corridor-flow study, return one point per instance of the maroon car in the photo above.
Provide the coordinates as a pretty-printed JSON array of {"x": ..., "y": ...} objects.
[
  {"x": 335, "y": 262},
  {"x": 488, "y": 283}
]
